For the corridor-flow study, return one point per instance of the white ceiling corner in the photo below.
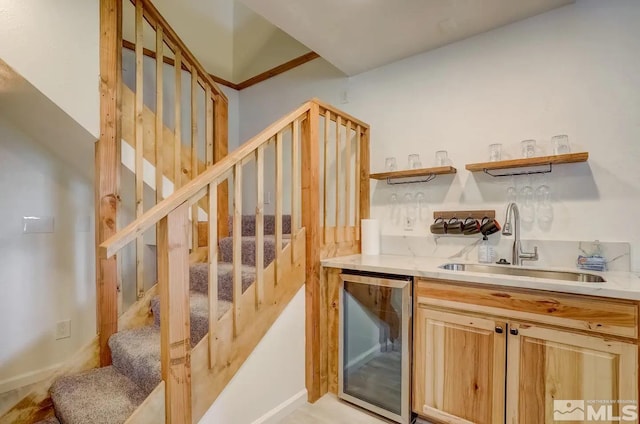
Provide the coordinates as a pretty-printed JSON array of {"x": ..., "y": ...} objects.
[{"x": 358, "y": 35}]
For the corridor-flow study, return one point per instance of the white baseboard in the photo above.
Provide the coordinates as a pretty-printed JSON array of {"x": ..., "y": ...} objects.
[
  {"x": 285, "y": 408},
  {"x": 27, "y": 378}
]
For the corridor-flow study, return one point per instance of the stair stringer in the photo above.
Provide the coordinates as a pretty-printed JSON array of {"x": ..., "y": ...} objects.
[
  {"x": 231, "y": 352},
  {"x": 37, "y": 405}
]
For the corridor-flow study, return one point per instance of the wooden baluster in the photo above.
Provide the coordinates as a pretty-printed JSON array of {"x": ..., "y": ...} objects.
[
  {"x": 279, "y": 201},
  {"x": 338, "y": 231},
  {"x": 173, "y": 287},
  {"x": 177, "y": 146},
  {"x": 311, "y": 222},
  {"x": 347, "y": 185},
  {"x": 364, "y": 174},
  {"x": 209, "y": 127},
  {"x": 357, "y": 188},
  {"x": 295, "y": 180},
  {"x": 194, "y": 153},
  {"x": 220, "y": 150},
  {"x": 237, "y": 246},
  {"x": 259, "y": 226},
  {"x": 107, "y": 166},
  {"x": 159, "y": 113},
  {"x": 139, "y": 143},
  {"x": 325, "y": 187},
  {"x": 213, "y": 269},
  {"x": 209, "y": 143}
]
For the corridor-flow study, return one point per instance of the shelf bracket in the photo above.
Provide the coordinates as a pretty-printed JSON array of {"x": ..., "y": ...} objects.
[
  {"x": 429, "y": 177},
  {"x": 509, "y": 174}
]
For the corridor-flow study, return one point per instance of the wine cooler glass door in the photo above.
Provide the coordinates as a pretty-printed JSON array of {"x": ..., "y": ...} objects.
[{"x": 374, "y": 357}]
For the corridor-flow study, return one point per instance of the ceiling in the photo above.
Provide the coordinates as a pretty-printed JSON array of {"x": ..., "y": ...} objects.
[{"x": 358, "y": 35}]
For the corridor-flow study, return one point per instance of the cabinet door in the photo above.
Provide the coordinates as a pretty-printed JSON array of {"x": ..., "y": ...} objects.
[
  {"x": 459, "y": 367},
  {"x": 546, "y": 365}
]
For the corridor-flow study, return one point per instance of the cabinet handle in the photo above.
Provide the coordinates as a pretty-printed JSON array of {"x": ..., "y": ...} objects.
[
  {"x": 513, "y": 331},
  {"x": 499, "y": 329}
]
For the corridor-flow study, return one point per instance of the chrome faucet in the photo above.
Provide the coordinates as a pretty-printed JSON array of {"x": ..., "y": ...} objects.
[{"x": 517, "y": 255}]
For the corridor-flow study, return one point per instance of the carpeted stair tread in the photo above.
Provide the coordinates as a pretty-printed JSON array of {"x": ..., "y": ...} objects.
[
  {"x": 199, "y": 313},
  {"x": 249, "y": 224},
  {"x": 49, "y": 420},
  {"x": 249, "y": 249},
  {"x": 136, "y": 352},
  {"x": 98, "y": 396},
  {"x": 199, "y": 279}
]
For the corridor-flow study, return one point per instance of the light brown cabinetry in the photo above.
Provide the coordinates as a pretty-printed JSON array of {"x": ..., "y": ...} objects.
[
  {"x": 546, "y": 364},
  {"x": 445, "y": 386},
  {"x": 470, "y": 342}
]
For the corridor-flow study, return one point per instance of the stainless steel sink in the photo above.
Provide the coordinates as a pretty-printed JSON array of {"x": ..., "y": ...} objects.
[{"x": 521, "y": 272}]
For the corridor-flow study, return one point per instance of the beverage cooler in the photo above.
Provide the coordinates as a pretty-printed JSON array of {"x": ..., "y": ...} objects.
[{"x": 375, "y": 344}]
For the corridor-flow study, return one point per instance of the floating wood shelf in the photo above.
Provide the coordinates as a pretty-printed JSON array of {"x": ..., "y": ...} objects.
[
  {"x": 518, "y": 166},
  {"x": 422, "y": 175}
]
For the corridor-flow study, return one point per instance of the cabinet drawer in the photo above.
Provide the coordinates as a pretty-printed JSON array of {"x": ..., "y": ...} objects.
[{"x": 586, "y": 313}]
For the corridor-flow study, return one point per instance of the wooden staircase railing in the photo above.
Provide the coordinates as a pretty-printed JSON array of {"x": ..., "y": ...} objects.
[
  {"x": 300, "y": 130},
  {"x": 325, "y": 168},
  {"x": 172, "y": 158}
]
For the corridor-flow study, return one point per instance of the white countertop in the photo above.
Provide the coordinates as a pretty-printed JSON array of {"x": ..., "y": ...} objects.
[{"x": 619, "y": 285}]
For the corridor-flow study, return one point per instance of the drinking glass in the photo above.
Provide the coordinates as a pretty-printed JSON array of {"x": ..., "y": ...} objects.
[
  {"x": 528, "y": 148},
  {"x": 527, "y": 206},
  {"x": 560, "y": 144},
  {"x": 495, "y": 152},
  {"x": 512, "y": 194},
  {"x": 410, "y": 211},
  {"x": 441, "y": 158},
  {"x": 545, "y": 209},
  {"x": 414, "y": 161},
  {"x": 420, "y": 201},
  {"x": 390, "y": 164}
]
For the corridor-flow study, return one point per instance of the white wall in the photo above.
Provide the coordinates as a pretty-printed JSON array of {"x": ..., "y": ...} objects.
[
  {"x": 205, "y": 27},
  {"x": 272, "y": 376},
  {"x": 259, "y": 45},
  {"x": 55, "y": 46},
  {"x": 44, "y": 278},
  {"x": 574, "y": 70}
]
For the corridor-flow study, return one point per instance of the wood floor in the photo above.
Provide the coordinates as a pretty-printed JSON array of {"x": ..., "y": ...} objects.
[{"x": 330, "y": 410}]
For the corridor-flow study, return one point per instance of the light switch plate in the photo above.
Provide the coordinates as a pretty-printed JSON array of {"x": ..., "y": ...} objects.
[{"x": 37, "y": 224}]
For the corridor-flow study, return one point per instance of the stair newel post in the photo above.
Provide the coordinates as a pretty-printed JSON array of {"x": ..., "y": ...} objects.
[
  {"x": 173, "y": 287},
  {"x": 107, "y": 177},
  {"x": 311, "y": 222}
]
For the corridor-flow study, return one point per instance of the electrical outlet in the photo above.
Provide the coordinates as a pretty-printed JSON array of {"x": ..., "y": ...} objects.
[
  {"x": 63, "y": 329},
  {"x": 267, "y": 198}
]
